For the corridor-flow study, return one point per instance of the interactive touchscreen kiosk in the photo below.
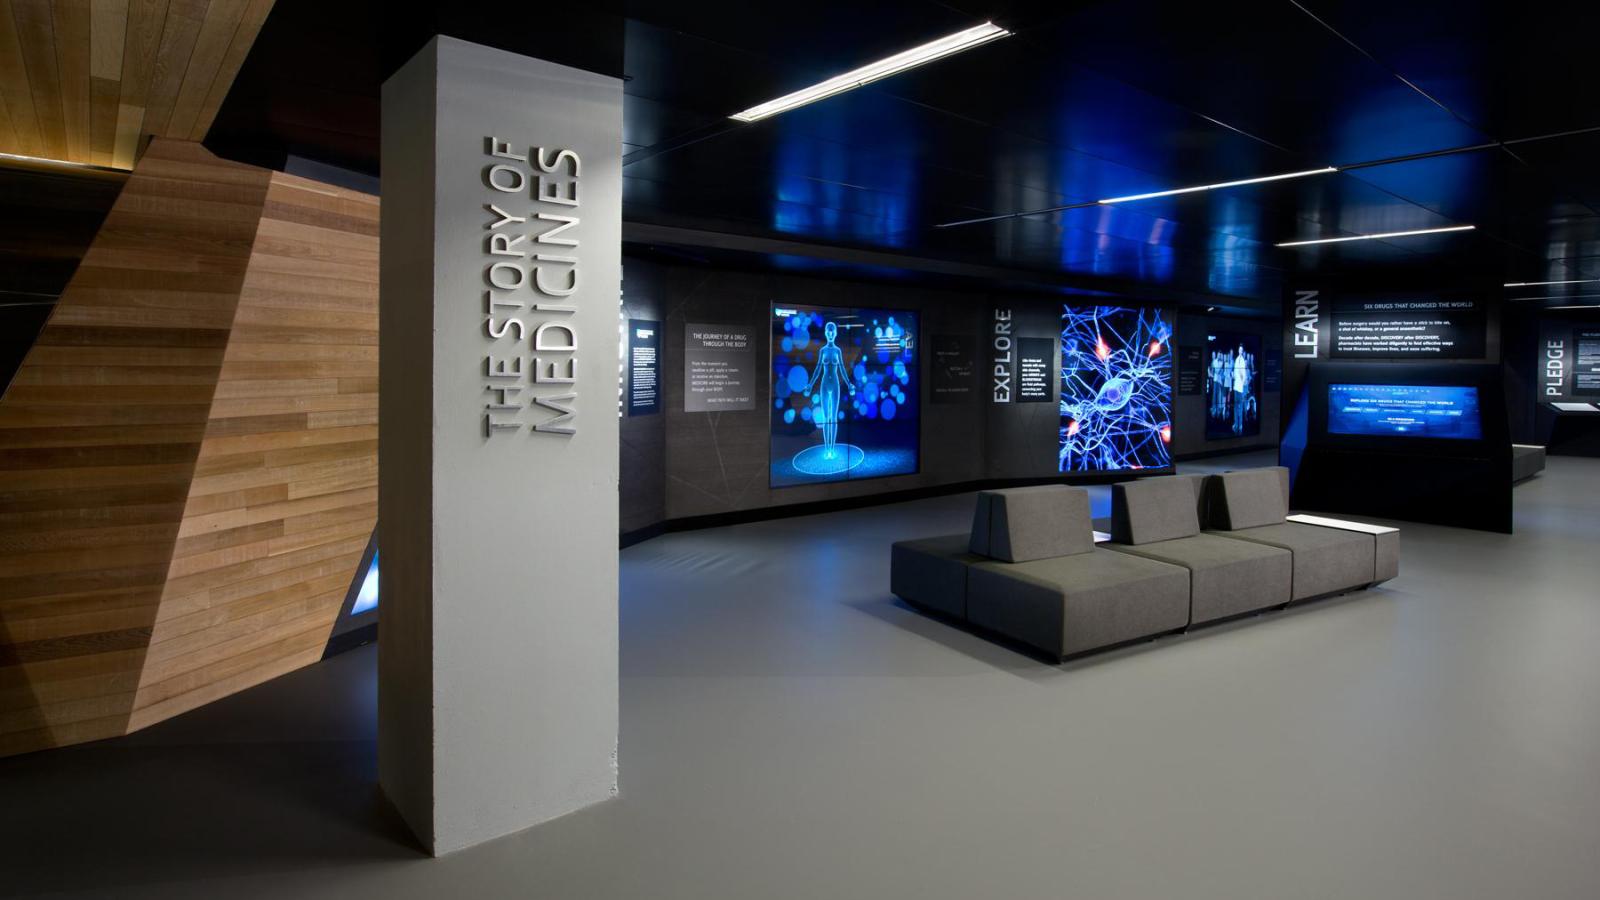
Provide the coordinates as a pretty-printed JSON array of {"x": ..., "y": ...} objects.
[{"x": 1421, "y": 442}]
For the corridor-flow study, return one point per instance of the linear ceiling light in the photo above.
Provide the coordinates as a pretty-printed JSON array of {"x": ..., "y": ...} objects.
[
  {"x": 1573, "y": 307},
  {"x": 1374, "y": 237},
  {"x": 1221, "y": 184},
  {"x": 883, "y": 68},
  {"x": 1542, "y": 283},
  {"x": 66, "y": 163}
]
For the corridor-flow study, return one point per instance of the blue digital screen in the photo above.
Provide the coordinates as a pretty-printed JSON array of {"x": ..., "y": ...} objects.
[
  {"x": 1116, "y": 389},
  {"x": 1233, "y": 385},
  {"x": 367, "y": 597},
  {"x": 845, "y": 394},
  {"x": 1405, "y": 410}
]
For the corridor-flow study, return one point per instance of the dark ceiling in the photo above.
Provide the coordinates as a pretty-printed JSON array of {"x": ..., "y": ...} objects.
[{"x": 1087, "y": 100}]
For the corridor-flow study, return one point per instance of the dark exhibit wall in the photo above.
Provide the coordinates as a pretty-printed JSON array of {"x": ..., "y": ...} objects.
[
  {"x": 717, "y": 434},
  {"x": 1553, "y": 379},
  {"x": 1397, "y": 404},
  {"x": 921, "y": 388}
]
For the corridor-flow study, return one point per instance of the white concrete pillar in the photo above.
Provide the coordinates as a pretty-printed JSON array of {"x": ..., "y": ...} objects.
[{"x": 501, "y": 262}]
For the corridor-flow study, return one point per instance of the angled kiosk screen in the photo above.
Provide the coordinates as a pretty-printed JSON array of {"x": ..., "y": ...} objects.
[
  {"x": 1116, "y": 389},
  {"x": 844, "y": 394},
  {"x": 1405, "y": 410}
]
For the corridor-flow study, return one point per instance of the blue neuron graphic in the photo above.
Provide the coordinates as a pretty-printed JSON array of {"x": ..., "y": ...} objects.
[{"x": 1116, "y": 389}]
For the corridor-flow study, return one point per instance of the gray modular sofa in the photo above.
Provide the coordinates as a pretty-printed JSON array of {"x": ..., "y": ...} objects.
[
  {"x": 1159, "y": 519},
  {"x": 1184, "y": 551},
  {"x": 1030, "y": 571},
  {"x": 1527, "y": 460},
  {"x": 1330, "y": 556}
]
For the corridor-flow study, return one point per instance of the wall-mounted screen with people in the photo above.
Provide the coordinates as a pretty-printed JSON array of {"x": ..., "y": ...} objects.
[
  {"x": 1233, "y": 385},
  {"x": 845, "y": 394},
  {"x": 1116, "y": 389},
  {"x": 1405, "y": 410}
]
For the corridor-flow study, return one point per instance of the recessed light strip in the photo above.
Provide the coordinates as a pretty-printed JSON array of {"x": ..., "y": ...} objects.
[
  {"x": 1543, "y": 283},
  {"x": 67, "y": 163},
  {"x": 1221, "y": 184},
  {"x": 1375, "y": 237},
  {"x": 883, "y": 68}
]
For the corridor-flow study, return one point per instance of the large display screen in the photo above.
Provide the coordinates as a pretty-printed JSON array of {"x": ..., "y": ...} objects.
[
  {"x": 1116, "y": 389},
  {"x": 1404, "y": 410},
  {"x": 1233, "y": 385},
  {"x": 844, "y": 394}
]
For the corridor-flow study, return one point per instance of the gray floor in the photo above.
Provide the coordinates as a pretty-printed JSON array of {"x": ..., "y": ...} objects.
[{"x": 790, "y": 730}]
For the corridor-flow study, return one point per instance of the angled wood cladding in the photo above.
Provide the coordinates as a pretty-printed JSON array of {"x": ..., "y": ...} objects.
[
  {"x": 188, "y": 465},
  {"x": 82, "y": 81}
]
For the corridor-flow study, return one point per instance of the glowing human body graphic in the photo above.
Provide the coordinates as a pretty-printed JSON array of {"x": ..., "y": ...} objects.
[
  {"x": 843, "y": 393},
  {"x": 828, "y": 382}
]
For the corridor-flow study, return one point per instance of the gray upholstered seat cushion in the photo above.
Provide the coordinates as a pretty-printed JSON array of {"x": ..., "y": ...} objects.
[
  {"x": 1326, "y": 560},
  {"x": 1226, "y": 577},
  {"x": 1154, "y": 509},
  {"x": 1023, "y": 524},
  {"x": 932, "y": 572},
  {"x": 1526, "y": 461},
  {"x": 1072, "y": 604},
  {"x": 1248, "y": 498}
]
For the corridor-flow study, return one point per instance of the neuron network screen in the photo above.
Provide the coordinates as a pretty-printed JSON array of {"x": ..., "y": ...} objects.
[
  {"x": 1404, "y": 410},
  {"x": 845, "y": 394},
  {"x": 1116, "y": 389}
]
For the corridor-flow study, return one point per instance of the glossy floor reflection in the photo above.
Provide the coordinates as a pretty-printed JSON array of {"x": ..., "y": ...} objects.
[{"x": 790, "y": 730}]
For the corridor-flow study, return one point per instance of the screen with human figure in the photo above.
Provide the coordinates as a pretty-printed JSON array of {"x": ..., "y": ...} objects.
[
  {"x": 845, "y": 394},
  {"x": 1233, "y": 385},
  {"x": 1116, "y": 389}
]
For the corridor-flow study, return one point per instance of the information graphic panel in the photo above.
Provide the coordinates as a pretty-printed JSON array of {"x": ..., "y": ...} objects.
[
  {"x": 955, "y": 368},
  {"x": 1586, "y": 370},
  {"x": 719, "y": 367},
  {"x": 644, "y": 353},
  {"x": 1035, "y": 361},
  {"x": 1191, "y": 371},
  {"x": 1408, "y": 329}
]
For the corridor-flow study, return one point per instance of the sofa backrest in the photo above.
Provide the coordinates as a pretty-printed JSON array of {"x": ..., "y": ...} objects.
[
  {"x": 1155, "y": 509},
  {"x": 1249, "y": 498},
  {"x": 1022, "y": 524}
]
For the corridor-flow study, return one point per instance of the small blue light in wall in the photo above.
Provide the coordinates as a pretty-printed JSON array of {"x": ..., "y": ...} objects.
[{"x": 367, "y": 597}]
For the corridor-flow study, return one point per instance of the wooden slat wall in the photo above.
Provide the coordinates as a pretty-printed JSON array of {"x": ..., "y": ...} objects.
[
  {"x": 82, "y": 80},
  {"x": 99, "y": 434},
  {"x": 285, "y": 494},
  {"x": 188, "y": 456}
]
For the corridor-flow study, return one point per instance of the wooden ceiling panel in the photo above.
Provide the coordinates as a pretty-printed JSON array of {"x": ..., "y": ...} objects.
[{"x": 84, "y": 80}]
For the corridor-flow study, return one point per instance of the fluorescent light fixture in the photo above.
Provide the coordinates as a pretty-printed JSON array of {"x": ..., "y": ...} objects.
[
  {"x": 1221, "y": 184},
  {"x": 1375, "y": 237},
  {"x": 1543, "y": 283},
  {"x": 1576, "y": 407},
  {"x": 1572, "y": 307},
  {"x": 883, "y": 68}
]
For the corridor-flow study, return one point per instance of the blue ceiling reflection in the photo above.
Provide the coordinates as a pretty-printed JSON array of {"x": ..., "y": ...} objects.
[{"x": 1078, "y": 106}]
